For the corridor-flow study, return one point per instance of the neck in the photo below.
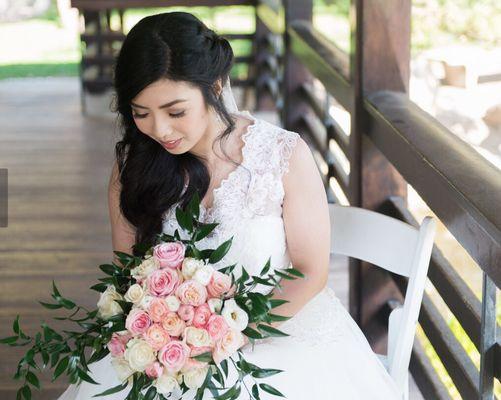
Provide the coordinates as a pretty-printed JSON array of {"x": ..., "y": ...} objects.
[{"x": 203, "y": 148}]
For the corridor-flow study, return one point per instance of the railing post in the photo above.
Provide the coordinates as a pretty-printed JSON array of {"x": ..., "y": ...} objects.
[
  {"x": 295, "y": 73},
  {"x": 380, "y": 60}
]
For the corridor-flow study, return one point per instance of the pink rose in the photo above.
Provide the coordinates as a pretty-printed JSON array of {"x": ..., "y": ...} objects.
[
  {"x": 154, "y": 370},
  {"x": 173, "y": 324},
  {"x": 192, "y": 292},
  {"x": 219, "y": 285},
  {"x": 202, "y": 315},
  {"x": 217, "y": 327},
  {"x": 163, "y": 282},
  {"x": 156, "y": 336},
  {"x": 187, "y": 313},
  {"x": 196, "y": 351},
  {"x": 117, "y": 343},
  {"x": 170, "y": 254},
  {"x": 229, "y": 343},
  {"x": 173, "y": 355},
  {"x": 138, "y": 321},
  {"x": 158, "y": 309}
]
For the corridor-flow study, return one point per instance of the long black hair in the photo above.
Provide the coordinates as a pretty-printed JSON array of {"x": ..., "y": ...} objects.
[{"x": 179, "y": 47}]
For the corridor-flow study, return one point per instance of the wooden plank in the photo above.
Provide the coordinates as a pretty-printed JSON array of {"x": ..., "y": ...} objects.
[{"x": 461, "y": 187}]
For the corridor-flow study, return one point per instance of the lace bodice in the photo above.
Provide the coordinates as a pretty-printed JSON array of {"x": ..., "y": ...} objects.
[
  {"x": 248, "y": 206},
  {"x": 250, "y": 198}
]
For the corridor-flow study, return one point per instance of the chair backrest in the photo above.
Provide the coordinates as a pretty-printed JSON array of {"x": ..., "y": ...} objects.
[{"x": 397, "y": 247}]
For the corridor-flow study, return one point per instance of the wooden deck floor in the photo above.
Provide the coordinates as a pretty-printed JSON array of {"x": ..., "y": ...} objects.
[{"x": 58, "y": 164}]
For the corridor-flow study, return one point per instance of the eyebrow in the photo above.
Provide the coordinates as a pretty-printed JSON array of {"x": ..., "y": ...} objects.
[{"x": 162, "y": 106}]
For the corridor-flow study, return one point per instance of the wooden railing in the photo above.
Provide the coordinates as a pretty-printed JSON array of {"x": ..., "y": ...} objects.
[
  {"x": 100, "y": 41},
  {"x": 458, "y": 184}
]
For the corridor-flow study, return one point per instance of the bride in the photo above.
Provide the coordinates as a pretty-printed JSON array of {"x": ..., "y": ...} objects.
[{"x": 182, "y": 133}]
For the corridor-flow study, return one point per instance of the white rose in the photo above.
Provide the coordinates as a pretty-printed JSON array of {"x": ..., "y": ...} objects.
[
  {"x": 107, "y": 306},
  {"x": 234, "y": 316},
  {"x": 203, "y": 274},
  {"x": 134, "y": 294},
  {"x": 145, "y": 268},
  {"x": 190, "y": 266},
  {"x": 165, "y": 383},
  {"x": 145, "y": 302},
  {"x": 121, "y": 367},
  {"x": 195, "y": 377},
  {"x": 173, "y": 303},
  {"x": 139, "y": 354},
  {"x": 215, "y": 305},
  {"x": 197, "y": 337}
]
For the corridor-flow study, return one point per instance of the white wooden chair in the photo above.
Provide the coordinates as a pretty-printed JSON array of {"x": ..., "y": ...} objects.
[{"x": 397, "y": 247}]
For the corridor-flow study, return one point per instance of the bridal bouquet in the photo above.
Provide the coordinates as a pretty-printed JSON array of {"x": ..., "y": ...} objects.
[{"x": 170, "y": 320}]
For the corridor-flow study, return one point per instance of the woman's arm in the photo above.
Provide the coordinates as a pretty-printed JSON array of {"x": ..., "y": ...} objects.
[
  {"x": 122, "y": 232},
  {"x": 307, "y": 228}
]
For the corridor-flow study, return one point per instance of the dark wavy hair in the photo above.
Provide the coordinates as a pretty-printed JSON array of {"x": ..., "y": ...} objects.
[{"x": 179, "y": 47}]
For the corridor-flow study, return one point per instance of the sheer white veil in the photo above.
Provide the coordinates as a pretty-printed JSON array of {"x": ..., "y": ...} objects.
[{"x": 228, "y": 98}]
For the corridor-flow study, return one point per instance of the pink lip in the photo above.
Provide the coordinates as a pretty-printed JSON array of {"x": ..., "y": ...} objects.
[{"x": 171, "y": 145}]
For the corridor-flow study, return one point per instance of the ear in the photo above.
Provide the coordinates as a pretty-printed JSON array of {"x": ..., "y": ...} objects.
[{"x": 219, "y": 87}]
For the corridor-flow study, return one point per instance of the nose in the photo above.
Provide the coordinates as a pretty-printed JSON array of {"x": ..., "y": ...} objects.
[{"x": 161, "y": 130}]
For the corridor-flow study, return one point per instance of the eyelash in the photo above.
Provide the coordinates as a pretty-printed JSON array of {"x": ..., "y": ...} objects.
[{"x": 179, "y": 115}]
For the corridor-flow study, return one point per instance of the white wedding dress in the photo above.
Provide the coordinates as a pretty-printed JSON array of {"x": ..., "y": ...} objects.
[{"x": 326, "y": 355}]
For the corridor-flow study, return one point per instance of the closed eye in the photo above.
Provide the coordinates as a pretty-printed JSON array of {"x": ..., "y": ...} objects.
[{"x": 178, "y": 115}]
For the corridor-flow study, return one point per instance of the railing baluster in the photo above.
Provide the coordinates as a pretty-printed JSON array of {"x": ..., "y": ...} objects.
[{"x": 487, "y": 338}]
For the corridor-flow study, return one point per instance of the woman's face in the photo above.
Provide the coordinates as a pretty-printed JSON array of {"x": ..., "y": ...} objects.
[{"x": 172, "y": 113}]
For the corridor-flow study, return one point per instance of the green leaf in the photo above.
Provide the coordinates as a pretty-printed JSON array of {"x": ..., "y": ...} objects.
[
  {"x": 252, "y": 333},
  {"x": 50, "y": 306},
  {"x": 203, "y": 231},
  {"x": 68, "y": 304},
  {"x": 264, "y": 373},
  {"x": 194, "y": 205},
  {"x": 109, "y": 269},
  {"x": 224, "y": 367},
  {"x": 271, "y": 331},
  {"x": 84, "y": 376},
  {"x": 32, "y": 378},
  {"x": 231, "y": 393},
  {"x": 26, "y": 392},
  {"x": 276, "y": 317},
  {"x": 184, "y": 220},
  {"x": 54, "y": 289},
  {"x": 151, "y": 393},
  {"x": 270, "y": 389},
  {"x": 205, "y": 357},
  {"x": 284, "y": 275},
  {"x": 255, "y": 391},
  {"x": 61, "y": 367},
  {"x": 277, "y": 302},
  {"x": 9, "y": 339},
  {"x": 15, "y": 325},
  {"x": 112, "y": 390},
  {"x": 266, "y": 267},
  {"x": 295, "y": 272},
  {"x": 221, "y": 251},
  {"x": 262, "y": 281}
]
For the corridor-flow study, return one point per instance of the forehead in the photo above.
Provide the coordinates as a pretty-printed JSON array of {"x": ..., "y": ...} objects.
[{"x": 164, "y": 91}]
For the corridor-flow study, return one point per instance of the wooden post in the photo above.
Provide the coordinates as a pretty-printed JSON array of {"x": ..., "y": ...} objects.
[
  {"x": 295, "y": 73},
  {"x": 381, "y": 40}
]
